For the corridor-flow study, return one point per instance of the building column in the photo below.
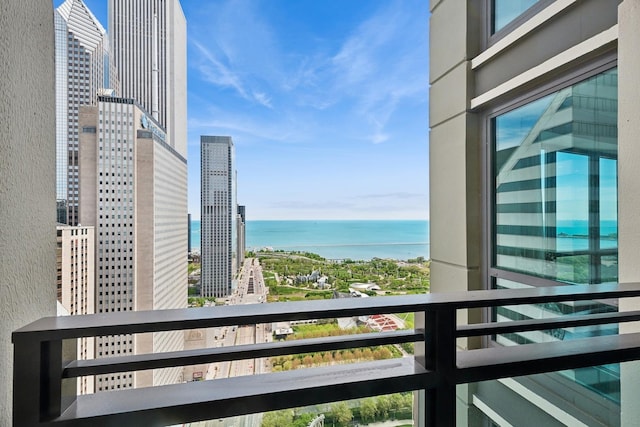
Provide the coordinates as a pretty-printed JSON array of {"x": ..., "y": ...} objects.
[
  {"x": 455, "y": 163},
  {"x": 629, "y": 190}
]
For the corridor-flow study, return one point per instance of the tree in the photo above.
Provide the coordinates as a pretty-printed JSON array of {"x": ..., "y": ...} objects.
[
  {"x": 278, "y": 418},
  {"x": 397, "y": 401},
  {"x": 368, "y": 409},
  {"x": 341, "y": 413},
  {"x": 407, "y": 400},
  {"x": 384, "y": 405},
  {"x": 303, "y": 420}
]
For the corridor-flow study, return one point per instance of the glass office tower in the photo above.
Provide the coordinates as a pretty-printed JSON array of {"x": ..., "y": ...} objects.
[
  {"x": 83, "y": 67},
  {"x": 218, "y": 215}
]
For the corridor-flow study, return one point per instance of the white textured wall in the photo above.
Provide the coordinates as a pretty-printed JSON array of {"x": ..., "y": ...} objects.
[{"x": 27, "y": 176}]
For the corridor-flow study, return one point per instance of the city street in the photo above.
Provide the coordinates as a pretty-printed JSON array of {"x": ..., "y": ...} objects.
[{"x": 250, "y": 290}]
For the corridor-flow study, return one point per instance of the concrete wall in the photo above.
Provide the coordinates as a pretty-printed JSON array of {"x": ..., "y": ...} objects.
[
  {"x": 455, "y": 163},
  {"x": 455, "y": 168},
  {"x": 170, "y": 246},
  {"x": 628, "y": 189},
  {"x": 144, "y": 244},
  {"x": 27, "y": 176}
]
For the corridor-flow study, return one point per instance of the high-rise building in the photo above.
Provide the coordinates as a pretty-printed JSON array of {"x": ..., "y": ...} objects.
[
  {"x": 241, "y": 227},
  {"x": 218, "y": 215},
  {"x": 76, "y": 284},
  {"x": 133, "y": 190},
  {"x": 83, "y": 67},
  {"x": 189, "y": 233},
  {"x": 533, "y": 117},
  {"x": 149, "y": 41}
]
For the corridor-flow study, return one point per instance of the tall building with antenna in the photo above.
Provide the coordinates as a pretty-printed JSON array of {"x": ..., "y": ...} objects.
[{"x": 149, "y": 39}]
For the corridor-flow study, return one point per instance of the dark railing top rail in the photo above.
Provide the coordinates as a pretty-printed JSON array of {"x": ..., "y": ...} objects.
[
  {"x": 39, "y": 369},
  {"x": 56, "y": 328}
]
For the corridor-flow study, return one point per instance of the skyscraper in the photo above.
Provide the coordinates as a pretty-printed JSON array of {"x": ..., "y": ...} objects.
[
  {"x": 241, "y": 234},
  {"x": 533, "y": 127},
  {"x": 76, "y": 284},
  {"x": 149, "y": 40},
  {"x": 133, "y": 189},
  {"x": 83, "y": 67},
  {"x": 218, "y": 215}
]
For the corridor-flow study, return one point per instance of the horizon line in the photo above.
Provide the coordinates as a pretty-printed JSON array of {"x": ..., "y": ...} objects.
[
  {"x": 333, "y": 219},
  {"x": 328, "y": 219}
]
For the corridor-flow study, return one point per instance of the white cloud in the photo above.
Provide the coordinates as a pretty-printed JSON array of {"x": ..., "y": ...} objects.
[
  {"x": 214, "y": 71},
  {"x": 384, "y": 63},
  {"x": 375, "y": 70},
  {"x": 394, "y": 195},
  {"x": 262, "y": 99},
  {"x": 251, "y": 129}
]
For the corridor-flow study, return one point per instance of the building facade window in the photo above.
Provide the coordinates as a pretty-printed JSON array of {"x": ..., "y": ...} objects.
[
  {"x": 504, "y": 16},
  {"x": 554, "y": 209},
  {"x": 505, "y": 11}
]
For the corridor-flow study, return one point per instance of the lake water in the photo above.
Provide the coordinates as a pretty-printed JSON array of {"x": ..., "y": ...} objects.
[
  {"x": 363, "y": 240},
  {"x": 338, "y": 239}
]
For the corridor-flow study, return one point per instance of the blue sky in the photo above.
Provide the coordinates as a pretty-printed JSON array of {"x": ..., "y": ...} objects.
[{"x": 326, "y": 101}]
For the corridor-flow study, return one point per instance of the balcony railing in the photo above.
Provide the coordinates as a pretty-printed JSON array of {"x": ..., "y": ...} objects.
[{"x": 44, "y": 381}]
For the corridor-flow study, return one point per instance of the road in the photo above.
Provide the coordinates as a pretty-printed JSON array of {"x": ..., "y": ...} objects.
[{"x": 250, "y": 290}]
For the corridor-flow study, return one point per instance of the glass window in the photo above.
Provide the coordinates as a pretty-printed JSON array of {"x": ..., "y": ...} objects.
[
  {"x": 555, "y": 209},
  {"x": 555, "y": 178},
  {"x": 505, "y": 11}
]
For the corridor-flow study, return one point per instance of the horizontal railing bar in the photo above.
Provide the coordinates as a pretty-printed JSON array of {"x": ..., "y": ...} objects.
[
  {"x": 207, "y": 400},
  {"x": 481, "y": 329},
  {"x": 65, "y": 327},
  {"x": 140, "y": 362},
  {"x": 494, "y": 298},
  {"x": 527, "y": 359}
]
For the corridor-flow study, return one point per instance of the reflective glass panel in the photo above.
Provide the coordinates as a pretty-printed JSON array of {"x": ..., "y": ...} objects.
[
  {"x": 508, "y": 401},
  {"x": 555, "y": 212},
  {"x": 555, "y": 164},
  {"x": 505, "y": 11}
]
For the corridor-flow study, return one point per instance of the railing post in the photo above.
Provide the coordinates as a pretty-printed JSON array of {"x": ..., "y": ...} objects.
[
  {"x": 38, "y": 393},
  {"x": 68, "y": 386},
  {"x": 27, "y": 391},
  {"x": 440, "y": 357}
]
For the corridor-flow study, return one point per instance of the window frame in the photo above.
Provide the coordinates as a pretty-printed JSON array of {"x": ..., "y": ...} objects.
[
  {"x": 489, "y": 272},
  {"x": 563, "y": 80},
  {"x": 490, "y": 38}
]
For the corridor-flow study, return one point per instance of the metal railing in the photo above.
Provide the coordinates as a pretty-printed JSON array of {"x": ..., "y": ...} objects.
[{"x": 44, "y": 380}]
